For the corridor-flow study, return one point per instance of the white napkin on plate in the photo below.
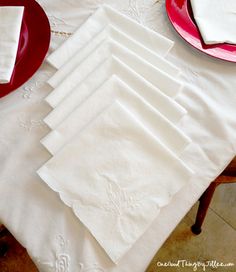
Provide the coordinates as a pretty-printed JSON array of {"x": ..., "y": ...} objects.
[
  {"x": 112, "y": 89},
  {"x": 116, "y": 176},
  {"x": 121, "y": 38},
  {"x": 10, "y": 26},
  {"x": 216, "y": 20},
  {"x": 101, "y": 18},
  {"x": 169, "y": 85},
  {"x": 113, "y": 66}
]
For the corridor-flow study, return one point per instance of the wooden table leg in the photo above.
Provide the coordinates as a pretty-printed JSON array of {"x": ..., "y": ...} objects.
[
  {"x": 3, "y": 249},
  {"x": 3, "y": 245},
  {"x": 205, "y": 201}
]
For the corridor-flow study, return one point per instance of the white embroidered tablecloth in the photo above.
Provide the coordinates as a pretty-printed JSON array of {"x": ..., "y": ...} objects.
[{"x": 53, "y": 236}]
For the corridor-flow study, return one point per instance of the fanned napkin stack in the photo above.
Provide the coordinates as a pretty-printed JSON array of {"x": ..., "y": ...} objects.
[
  {"x": 216, "y": 20},
  {"x": 115, "y": 142},
  {"x": 10, "y": 26}
]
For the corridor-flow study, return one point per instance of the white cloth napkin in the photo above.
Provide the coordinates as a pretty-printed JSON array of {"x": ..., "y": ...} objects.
[
  {"x": 101, "y": 18},
  {"x": 116, "y": 176},
  {"x": 169, "y": 85},
  {"x": 113, "y": 89},
  {"x": 10, "y": 26},
  {"x": 216, "y": 20},
  {"x": 121, "y": 38},
  {"x": 164, "y": 104}
]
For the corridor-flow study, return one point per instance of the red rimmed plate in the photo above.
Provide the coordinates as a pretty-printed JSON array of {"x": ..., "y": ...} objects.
[
  {"x": 33, "y": 44},
  {"x": 181, "y": 17}
]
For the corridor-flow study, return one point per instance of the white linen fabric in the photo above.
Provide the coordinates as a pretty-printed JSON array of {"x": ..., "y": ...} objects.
[
  {"x": 113, "y": 88},
  {"x": 10, "y": 26},
  {"x": 38, "y": 219},
  {"x": 121, "y": 38},
  {"x": 161, "y": 102},
  {"x": 216, "y": 20},
  {"x": 116, "y": 176},
  {"x": 169, "y": 85},
  {"x": 100, "y": 19}
]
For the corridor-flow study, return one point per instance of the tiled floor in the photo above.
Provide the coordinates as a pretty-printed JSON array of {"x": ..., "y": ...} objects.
[{"x": 216, "y": 242}]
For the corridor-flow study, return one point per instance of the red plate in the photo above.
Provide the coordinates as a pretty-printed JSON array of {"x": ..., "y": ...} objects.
[
  {"x": 33, "y": 44},
  {"x": 181, "y": 16}
]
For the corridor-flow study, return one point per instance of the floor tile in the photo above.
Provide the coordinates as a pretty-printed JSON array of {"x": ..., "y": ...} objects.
[
  {"x": 224, "y": 203},
  {"x": 216, "y": 242}
]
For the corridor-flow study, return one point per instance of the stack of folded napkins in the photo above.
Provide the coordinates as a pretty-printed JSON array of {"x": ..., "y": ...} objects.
[
  {"x": 10, "y": 26},
  {"x": 114, "y": 140}
]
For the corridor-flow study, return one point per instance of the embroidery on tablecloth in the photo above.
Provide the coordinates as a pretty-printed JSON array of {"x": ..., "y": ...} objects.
[
  {"x": 31, "y": 88},
  {"x": 138, "y": 10},
  {"x": 56, "y": 23},
  {"x": 62, "y": 261},
  {"x": 29, "y": 124}
]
